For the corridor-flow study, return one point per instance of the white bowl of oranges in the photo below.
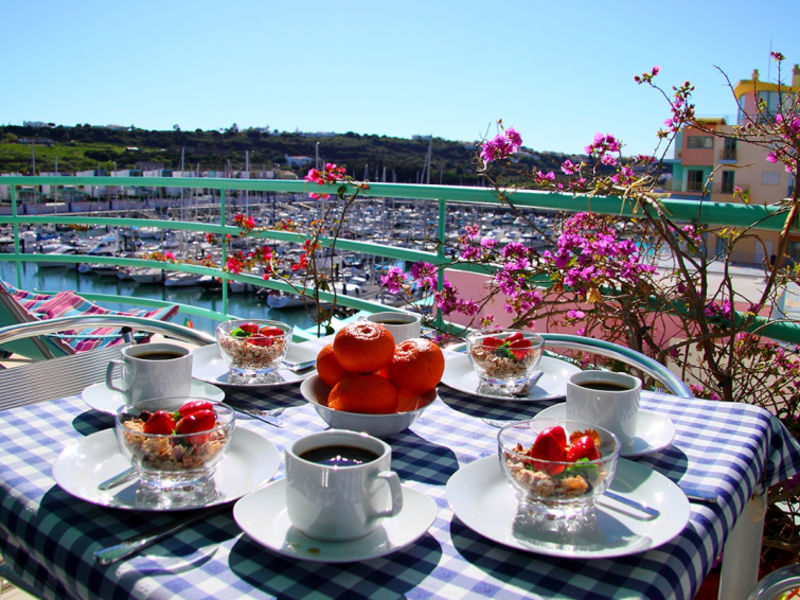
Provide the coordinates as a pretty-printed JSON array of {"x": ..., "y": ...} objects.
[{"x": 366, "y": 382}]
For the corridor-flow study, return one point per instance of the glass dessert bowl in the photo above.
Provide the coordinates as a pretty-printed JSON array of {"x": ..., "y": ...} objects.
[
  {"x": 175, "y": 446},
  {"x": 505, "y": 359},
  {"x": 558, "y": 468},
  {"x": 253, "y": 348}
]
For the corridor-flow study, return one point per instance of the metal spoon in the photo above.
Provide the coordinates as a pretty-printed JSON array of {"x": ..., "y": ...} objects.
[
  {"x": 651, "y": 512},
  {"x": 299, "y": 366},
  {"x": 117, "y": 479}
]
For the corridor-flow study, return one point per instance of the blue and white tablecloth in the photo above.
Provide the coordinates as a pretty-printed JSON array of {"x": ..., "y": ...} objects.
[{"x": 721, "y": 450}]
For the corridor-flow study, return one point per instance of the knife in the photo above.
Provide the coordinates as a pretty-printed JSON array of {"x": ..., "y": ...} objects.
[{"x": 137, "y": 543}]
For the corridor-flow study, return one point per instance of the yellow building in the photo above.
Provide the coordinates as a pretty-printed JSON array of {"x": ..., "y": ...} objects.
[{"x": 714, "y": 167}]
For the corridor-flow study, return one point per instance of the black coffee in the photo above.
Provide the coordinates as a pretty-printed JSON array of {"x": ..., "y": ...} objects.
[
  {"x": 604, "y": 386},
  {"x": 159, "y": 355},
  {"x": 339, "y": 456},
  {"x": 394, "y": 322}
]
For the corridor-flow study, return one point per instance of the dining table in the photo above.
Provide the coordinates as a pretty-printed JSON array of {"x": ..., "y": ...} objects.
[{"x": 722, "y": 456}]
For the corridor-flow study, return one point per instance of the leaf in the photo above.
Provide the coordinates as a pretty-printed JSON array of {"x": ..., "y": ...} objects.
[{"x": 594, "y": 295}]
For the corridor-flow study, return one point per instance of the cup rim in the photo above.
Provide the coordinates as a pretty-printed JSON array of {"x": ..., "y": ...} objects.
[
  {"x": 412, "y": 319},
  {"x": 634, "y": 383},
  {"x": 341, "y": 434},
  {"x": 151, "y": 347}
]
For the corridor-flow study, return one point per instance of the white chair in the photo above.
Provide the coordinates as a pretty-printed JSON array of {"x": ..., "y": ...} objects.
[
  {"x": 67, "y": 375},
  {"x": 671, "y": 382}
]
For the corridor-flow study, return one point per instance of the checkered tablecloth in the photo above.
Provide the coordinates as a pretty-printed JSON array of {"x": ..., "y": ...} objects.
[{"x": 723, "y": 450}]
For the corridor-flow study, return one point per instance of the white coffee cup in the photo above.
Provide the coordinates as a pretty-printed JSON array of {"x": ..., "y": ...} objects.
[
  {"x": 607, "y": 399},
  {"x": 156, "y": 370},
  {"x": 335, "y": 502},
  {"x": 401, "y": 325}
]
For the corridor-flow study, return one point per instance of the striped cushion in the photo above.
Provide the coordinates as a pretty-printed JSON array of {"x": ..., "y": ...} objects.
[{"x": 70, "y": 304}]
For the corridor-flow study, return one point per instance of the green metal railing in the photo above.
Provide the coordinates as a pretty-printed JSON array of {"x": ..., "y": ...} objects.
[{"x": 712, "y": 213}]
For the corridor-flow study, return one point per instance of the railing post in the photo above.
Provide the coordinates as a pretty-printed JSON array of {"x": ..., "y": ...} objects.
[
  {"x": 224, "y": 256},
  {"x": 441, "y": 233},
  {"x": 15, "y": 228}
]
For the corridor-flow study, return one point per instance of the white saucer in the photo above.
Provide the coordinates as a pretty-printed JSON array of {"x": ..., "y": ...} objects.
[
  {"x": 492, "y": 513},
  {"x": 100, "y": 397},
  {"x": 209, "y": 366},
  {"x": 262, "y": 515},
  {"x": 654, "y": 431},
  {"x": 250, "y": 463},
  {"x": 459, "y": 375}
]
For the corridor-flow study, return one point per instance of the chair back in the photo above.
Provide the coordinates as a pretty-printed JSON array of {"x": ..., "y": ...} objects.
[
  {"x": 671, "y": 382},
  {"x": 71, "y": 374}
]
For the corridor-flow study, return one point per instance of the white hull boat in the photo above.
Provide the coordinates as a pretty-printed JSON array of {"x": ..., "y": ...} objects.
[{"x": 181, "y": 279}]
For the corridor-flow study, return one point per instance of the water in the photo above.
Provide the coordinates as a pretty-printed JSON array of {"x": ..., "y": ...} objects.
[{"x": 246, "y": 305}]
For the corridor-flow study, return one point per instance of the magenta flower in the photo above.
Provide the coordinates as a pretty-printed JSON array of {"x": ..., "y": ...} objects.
[
  {"x": 393, "y": 280},
  {"x": 502, "y": 146}
]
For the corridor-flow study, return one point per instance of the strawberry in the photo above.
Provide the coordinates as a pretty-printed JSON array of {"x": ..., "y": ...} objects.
[
  {"x": 201, "y": 420},
  {"x": 194, "y": 406},
  {"x": 260, "y": 340},
  {"x": 520, "y": 342},
  {"x": 271, "y": 331},
  {"x": 160, "y": 422},
  {"x": 492, "y": 342},
  {"x": 550, "y": 444},
  {"x": 249, "y": 328},
  {"x": 514, "y": 337},
  {"x": 583, "y": 447}
]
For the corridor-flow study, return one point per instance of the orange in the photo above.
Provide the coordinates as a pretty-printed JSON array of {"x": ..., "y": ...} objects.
[
  {"x": 328, "y": 368},
  {"x": 363, "y": 346},
  {"x": 407, "y": 401},
  {"x": 417, "y": 366},
  {"x": 363, "y": 393}
]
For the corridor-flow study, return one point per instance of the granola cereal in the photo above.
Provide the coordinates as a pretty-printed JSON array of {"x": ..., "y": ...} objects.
[
  {"x": 245, "y": 355},
  {"x": 171, "y": 453},
  {"x": 253, "y": 345},
  {"x": 503, "y": 367}
]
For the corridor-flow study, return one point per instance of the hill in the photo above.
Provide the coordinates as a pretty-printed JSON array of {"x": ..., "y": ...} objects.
[{"x": 69, "y": 149}]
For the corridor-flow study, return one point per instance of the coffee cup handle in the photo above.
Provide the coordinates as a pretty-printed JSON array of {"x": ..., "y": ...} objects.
[
  {"x": 110, "y": 375},
  {"x": 396, "y": 490}
]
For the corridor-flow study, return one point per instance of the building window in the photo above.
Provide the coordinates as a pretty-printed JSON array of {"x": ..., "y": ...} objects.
[
  {"x": 694, "y": 180},
  {"x": 771, "y": 178},
  {"x": 699, "y": 141},
  {"x": 729, "y": 149},
  {"x": 727, "y": 182}
]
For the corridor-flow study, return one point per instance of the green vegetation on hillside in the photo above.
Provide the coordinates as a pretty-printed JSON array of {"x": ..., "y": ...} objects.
[{"x": 85, "y": 147}]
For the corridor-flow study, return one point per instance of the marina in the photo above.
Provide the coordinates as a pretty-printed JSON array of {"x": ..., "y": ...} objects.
[
  {"x": 393, "y": 222},
  {"x": 247, "y": 305}
]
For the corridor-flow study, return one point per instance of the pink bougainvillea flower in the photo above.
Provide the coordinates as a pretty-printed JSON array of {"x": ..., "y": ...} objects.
[
  {"x": 502, "y": 146},
  {"x": 393, "y": 280}
]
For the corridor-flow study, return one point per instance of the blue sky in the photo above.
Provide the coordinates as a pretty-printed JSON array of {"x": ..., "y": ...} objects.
[{"x": 556, "y": 71}]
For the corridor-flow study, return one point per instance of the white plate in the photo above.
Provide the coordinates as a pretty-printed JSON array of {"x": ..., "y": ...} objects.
[
  {"x": 250, "y": 463},
  {"x": 654, "y": 431},
  {"x": 208, "y": 365},
  {"x": 459, "y": 375},
  {"x": 262, "y": 515},
  {"x": 620, "y": 531},
  {"x": 100, "y": 397}
]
